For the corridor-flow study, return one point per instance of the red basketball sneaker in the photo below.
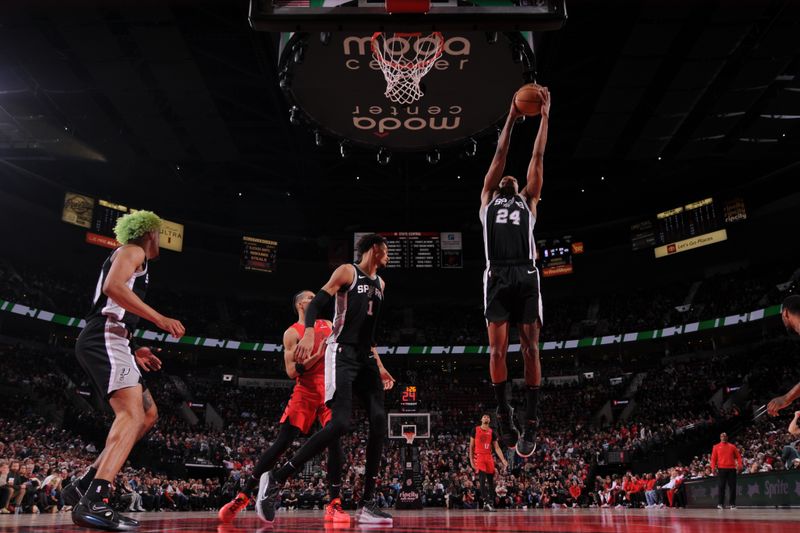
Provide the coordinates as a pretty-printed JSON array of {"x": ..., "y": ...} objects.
[
  {"x": 335, "y": 513},
  {"x": 228, "y": 512}
]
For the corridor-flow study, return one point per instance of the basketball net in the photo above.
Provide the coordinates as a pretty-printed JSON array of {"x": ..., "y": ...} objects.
[
  {"x": 404, "y": 59},
  {"x": 409, "y": 435}
]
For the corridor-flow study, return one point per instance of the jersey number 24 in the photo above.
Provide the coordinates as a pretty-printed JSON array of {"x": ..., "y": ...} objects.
[{"x": 503, "y": 217}]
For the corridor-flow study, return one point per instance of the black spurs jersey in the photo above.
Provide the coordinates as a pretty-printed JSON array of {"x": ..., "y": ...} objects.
[
  {"x": 508, "y": 231},
  {"x": 357, "y": 310},
  {"x": 102, "y": 305}
]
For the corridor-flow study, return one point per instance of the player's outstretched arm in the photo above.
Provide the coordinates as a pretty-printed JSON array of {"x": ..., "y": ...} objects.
[
  {"x": 495, "y": 172},
  {"x": 125, "y": 263},
  {"x": 533, "y": 186},
  {"x": 779, "y": 402},
  {"x": 341, "y": 277}
]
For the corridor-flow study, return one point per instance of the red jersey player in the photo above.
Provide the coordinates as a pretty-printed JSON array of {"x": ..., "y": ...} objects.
[
  {"x": 481, "y": 460},
  {"x": 306, "y": 404}
]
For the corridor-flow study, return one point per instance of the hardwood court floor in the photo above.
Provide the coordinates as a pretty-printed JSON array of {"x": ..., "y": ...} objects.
[{"x": 441, "y": 521}]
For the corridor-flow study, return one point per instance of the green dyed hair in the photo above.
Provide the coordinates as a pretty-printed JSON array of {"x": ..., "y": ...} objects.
[{"x": 135, "y": 225}]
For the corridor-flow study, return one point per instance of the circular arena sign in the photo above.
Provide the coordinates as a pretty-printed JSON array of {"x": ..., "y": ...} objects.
[{"x": 338, "y": 87}]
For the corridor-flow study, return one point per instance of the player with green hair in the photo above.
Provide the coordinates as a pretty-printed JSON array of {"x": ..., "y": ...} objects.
[
  {"x": 106, "y": 351},
  {"x": 136, "y": 225}
]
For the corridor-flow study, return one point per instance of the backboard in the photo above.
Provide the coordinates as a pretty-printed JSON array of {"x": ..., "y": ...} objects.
[
  {"x": 400, "y": 423},
  {"x": 373, "y": 15},
  {"x": 336, "y": 87}
]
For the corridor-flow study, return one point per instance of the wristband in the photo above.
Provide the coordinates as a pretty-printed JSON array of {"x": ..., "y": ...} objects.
[{"x": 299, "y": 368}]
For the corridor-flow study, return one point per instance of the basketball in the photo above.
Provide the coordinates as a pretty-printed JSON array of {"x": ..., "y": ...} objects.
[{"x": 528, "y": 100}]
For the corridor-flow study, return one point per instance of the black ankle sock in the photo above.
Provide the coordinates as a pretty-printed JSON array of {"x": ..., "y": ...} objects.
[
  {"x": 86, "y": 480},
  {"x": 532, "y": 407},
  {"x": 500, "y": 394},
  {"x": 99, "y": 489}
]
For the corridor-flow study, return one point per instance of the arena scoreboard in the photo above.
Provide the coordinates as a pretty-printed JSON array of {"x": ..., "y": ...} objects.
[
  {"x": 686, "y": 227},
  {"x": 420, "y": 249},
  {"x": 105, "y": 217},
  {"x": 100, "y": 217},
  {"x": 555, "y": 255},
  {"x": 259, "y": 255}
]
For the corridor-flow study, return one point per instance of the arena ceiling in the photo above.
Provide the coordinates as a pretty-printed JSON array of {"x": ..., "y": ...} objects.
[{"x": 176, "y": 105}]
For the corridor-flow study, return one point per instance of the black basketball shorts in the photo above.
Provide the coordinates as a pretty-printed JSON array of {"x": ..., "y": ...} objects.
[
  {"x": 349, "y": 369},
  {"x": 511, "y": 294},
  {"x": 104, "y": 353}
]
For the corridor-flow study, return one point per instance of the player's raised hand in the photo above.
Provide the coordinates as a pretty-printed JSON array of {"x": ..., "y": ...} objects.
[
  {"x": 545, "y": 92},
  {"x": 147, "y": 360},
  {"x": 171, "y": 326},
  {"x": 514, "y": 113}
]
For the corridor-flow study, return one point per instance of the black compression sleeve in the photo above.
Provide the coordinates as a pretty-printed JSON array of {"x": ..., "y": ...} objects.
[{"x": 317, "y": 304}]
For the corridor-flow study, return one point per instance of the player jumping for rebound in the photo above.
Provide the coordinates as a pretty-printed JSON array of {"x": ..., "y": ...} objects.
[
  {"x": 306, "y": 404},
  {"x": 481, "y": 460},
  {"x": 511, "y": 281},
  {"x": 352, "y": 367}
]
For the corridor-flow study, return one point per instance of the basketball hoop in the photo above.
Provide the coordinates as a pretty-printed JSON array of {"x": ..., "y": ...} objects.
[
  {"x": 404, "y": 59},
  {"x": 409, "y": 432}
]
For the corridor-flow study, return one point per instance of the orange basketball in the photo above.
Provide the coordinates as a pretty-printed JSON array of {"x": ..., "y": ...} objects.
[{"x": 528, "y": 100}]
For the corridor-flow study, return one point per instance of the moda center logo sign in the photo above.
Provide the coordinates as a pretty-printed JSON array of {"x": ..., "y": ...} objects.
[{"x": 339, "y": 87}]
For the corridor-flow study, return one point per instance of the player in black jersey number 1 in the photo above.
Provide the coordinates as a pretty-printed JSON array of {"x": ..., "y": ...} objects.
[
  {"x": 511, "y": 281},
  {"x": 107, "y": 353},
  {"x": 352, "y": 367}
]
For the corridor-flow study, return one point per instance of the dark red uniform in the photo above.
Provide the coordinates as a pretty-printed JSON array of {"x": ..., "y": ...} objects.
[
  {"x": 308, "y": 398},
  {"x": 484, "y": 442}
]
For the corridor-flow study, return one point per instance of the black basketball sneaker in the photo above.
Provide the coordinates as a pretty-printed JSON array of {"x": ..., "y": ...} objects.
[
  {"x": 268, "y": 489},
  {"x": 72, "y": 493},
  {"x": 507, "y": 427},
  {"x": 369, "y": 513},
  {"x": 100, "y": 515},
  {"x": 526, "y": 444}
]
